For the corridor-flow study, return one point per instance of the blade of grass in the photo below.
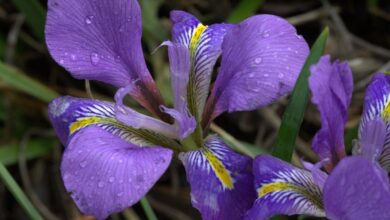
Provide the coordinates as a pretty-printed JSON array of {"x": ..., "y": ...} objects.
[
  {"x": 14, "y": 188},
  {"x": 35, "y": 148},
  {"x": 35, "y": 16},
  {"x": 22, "y": 82},
  {"x": 150, "y": 215},
  {"x": 244, "y": 9},
  {"x": 293, "y": 116}
]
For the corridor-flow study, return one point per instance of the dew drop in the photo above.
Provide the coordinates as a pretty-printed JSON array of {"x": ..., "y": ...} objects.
[
  {"x": 120, "y": 161},
  {"x": 62, "y": 61},
  {"x": 83, "y": 164},
  {"x": 252, "y": 75},
  {"x": 266, "y": 75},
  {"x": 265, "y": 34},
  {"x": 258, "y": 60},
  {"x": 111, "y": 179},
  {"x": 73, "y": 57},
  {"x": 100, "y": 184},
  {"x": 88, "y": 19},
  {"x": 280, "y": 75},
  {"x": 94, "y": 58},
  {"x": 119, "y": 194}
]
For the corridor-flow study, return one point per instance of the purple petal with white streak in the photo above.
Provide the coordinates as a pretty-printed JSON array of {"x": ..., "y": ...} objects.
[
  {"x": 283, "y": 189},
  {"x": 221, "y": 180}
]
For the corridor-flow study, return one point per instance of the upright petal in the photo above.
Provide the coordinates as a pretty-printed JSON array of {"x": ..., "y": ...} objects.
[
  {"x": 357, "y": 189},
  {"x": 372, "y": 139},
  {"x": 261, "y": 59},
  {"x": 221, "y": 180},
  {"x": 101, "y": 40},
  {"x": 105, "y": 174},
  {"x": 331, "y": 86},
  {"x": 69, "y": 115},
  {"x": 377, "y": 105},
  {"x": 283, "y": 189},
  {"x": 204, "y": 44}
]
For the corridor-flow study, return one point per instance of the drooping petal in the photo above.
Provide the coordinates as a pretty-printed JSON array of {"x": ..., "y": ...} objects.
[
  {"x": 221, "y": 181},
  {"x": 105, "y": 174},
  {"x": 69, "y": 115},
  {"x": 377, "y": 105},
  {"x": 331, "y": 86},
  {"x": 372, "y": 139},
  {"x": 261, "y": 59},
  {"x": 319, "y": 176},
  {"x": 283, "y": 189},
  {"x": 101, "y": 40},
  {"x": 357, "y": 189},
  {"x": 204, "y": 44}
]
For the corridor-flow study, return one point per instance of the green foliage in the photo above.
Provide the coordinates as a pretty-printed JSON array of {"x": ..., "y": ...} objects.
[
  {"x": 244, "y": 9},
  {"x": 293, "y": 116}
]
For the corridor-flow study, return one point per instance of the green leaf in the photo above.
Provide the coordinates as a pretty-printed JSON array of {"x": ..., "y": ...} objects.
[
  {"x": 22, "y": 82},
  {"x": 150, "y": 21},
  {"x": 244, "y": 9},
  {"x": 350, "y": 135},
  {"x": 14, "y": 188},
  {"x": 9, "y": 153},
  {"x": 293, "y": 116},
  {"x": 35, "y": 16},
  {"x": 148, "y": 209}
]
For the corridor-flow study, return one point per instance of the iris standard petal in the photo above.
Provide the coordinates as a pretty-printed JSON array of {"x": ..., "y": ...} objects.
[
  {"x": 69, "y": 115},
  {"x": 221, "y": 180},
  {"x": 357, "y": 189},
  {"x": 101, "y": 40},
  {"x": 377, "y": 105},
  {"x": 331, "y": 85},
  {"x": 261, "y": 59},
  {"x": 204, "y": 44},
  {"x": 372, "y": 139},
  {"x": 283, "y": 189},
  {"x": 105, "y": 174}
]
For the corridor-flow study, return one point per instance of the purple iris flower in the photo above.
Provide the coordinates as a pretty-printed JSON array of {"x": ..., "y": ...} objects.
[
  {"x": 353, "y": 187},
  {"x": 114, "y": 154}
]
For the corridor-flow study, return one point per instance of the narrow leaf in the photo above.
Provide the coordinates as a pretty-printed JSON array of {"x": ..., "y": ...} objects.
[
  {"x": 148, "y": 209},
  {"x": 14, "y": 188},
  {"x": 22, "y": 82},
  {"x": 244, "y": 9},
  {"x": 35, "y": 16},
  {"x": 293, "y": 116}
]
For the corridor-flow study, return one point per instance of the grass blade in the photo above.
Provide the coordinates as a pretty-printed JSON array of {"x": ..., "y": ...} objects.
[
  {"x": 14, "y": 188},
  {"x": 244, "y": 9},
  {"x": 150, "y": 215},
  {"x": 35, "y": 16},
  {"x": 293, "y": 116},
  {"x": 22, "y": 82}
]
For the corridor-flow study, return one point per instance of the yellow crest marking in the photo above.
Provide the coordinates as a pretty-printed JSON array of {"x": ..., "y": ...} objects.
[
  {"x": 273, "y": 187},
  {"x": 386, "y": 111},
  {"x": 196, "y": 37},
  {"x": 77, "y": 125},
  {"x": 219, "y": 169}
]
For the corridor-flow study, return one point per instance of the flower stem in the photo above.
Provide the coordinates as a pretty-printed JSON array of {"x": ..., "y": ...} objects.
[{"x": 148, "y": 209}]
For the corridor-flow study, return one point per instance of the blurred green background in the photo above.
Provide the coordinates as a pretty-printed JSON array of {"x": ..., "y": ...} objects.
[{"x": 29, "y": 79}]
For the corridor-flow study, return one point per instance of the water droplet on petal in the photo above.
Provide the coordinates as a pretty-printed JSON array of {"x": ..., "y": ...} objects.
[
  {"x": 265, "y": 34},
  {"x": 62, "y": 61},
  {"x": 100, "y": 184},
  {"x": 94, "y": 58},
  {"x": 83, "y": 164},
  {"x": 88, "y": 19},
  {"x": 280, "y": 75},
  {"x": 252, "y": 75},
  {"x": 111, "y": 179},
  {"x": 119, "y": 194},
  {"x": 266, "y": 75},
  {"x": 258, "y": 60},
  {"x": 73, "y": 57},
  {"x": 120, "y": 161}
]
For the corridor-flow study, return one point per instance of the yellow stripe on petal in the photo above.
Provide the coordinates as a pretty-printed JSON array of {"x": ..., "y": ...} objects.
[
  {"x": 386, "y": 111},
  {"x": 81, "y": 123},
  {"x": 219, "y": 169},
  {"x": 196, "y": 36},
  {"x": 273, "y": 187}
]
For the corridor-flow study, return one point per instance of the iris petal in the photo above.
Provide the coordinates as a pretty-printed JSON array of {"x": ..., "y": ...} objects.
[
  {"x": 377, "y": 105},
  {"x": 331, "y": 85},
  {"x": 101, "y": 40},
  {"x": 261, "y": 59},
  {"x": 105, "y": 174},
  {"x": 221, "y": 180},
  {"x": 204, "y": 45},
  {"x": 283, "y": 189}
]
